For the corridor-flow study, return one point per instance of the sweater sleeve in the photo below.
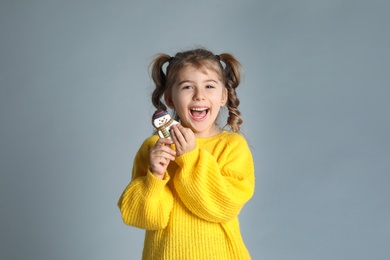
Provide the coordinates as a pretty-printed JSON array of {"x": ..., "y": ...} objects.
[
  {"x": 216, "y": 189},
  {"x": 147, "y": 201}
]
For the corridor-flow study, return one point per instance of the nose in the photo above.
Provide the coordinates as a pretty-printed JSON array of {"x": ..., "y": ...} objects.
[{"x": 198, "y": 95}]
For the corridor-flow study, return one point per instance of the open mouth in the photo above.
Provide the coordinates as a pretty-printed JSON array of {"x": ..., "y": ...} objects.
[{"x": 199, "y": 113}]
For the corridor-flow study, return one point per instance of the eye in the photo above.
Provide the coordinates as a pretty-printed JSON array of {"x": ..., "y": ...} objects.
[
  {"x": 209, "y": 86},
  {"x": 187, "y": 87}
]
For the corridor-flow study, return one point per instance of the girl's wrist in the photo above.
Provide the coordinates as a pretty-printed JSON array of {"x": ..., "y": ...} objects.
[{"x": 157, "y": 174}]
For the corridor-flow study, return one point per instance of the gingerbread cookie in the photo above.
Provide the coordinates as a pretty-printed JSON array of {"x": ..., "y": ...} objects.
[{"x": 163, "y": 122}]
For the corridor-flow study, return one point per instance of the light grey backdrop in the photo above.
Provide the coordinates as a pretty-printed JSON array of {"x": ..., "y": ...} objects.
[{"x": 75, "y": 106}]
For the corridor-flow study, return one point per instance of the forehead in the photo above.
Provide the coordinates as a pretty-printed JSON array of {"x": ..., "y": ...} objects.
[{"x": 189, "y": 72}]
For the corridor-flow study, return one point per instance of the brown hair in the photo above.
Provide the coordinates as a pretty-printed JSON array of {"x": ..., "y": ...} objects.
[{"x": 201, "y": 59}]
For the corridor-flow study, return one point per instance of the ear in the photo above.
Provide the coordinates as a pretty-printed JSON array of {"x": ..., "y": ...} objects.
[
  {"x": 168, "y": 100},
  {"x": 224, "y": 97}
]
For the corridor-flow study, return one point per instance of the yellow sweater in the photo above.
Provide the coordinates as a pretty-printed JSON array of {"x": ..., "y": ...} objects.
[{"x": 193, "y": 212}]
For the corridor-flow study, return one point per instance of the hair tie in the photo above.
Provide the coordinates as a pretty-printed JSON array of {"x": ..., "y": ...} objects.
[
  {"x": 218, "y": 58},
  {"x": 170, "y": 59}
]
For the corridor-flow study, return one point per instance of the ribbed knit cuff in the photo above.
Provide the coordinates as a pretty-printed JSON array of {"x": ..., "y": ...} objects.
[
  {"x": 189, "y": 160},
  {"x": 154, "y": 185}
]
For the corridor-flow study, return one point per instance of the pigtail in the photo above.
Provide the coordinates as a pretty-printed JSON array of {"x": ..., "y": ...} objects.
[
  {"x": 232, "y": 78},
  {"x": 160, "y": 80}
]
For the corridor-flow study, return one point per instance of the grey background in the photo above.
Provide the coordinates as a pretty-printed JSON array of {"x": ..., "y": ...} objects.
[{"x": 75, "y": 106}]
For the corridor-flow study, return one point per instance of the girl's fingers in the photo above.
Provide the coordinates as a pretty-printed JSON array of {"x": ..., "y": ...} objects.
[
  {"x": 164, "y": 152},
  {"x": 163, "y": 160},
  {"x": 178, "y": 133},
  {"x": 185, "y": 132},
  {"x": 183, "y": 138},
  {"x": 173, "y": 135},
  {"x": 164, "y": 144},
  {"x": 160, "y": 155},
  {"x": 163, "y": 149},
  {"x": 164, "y": 141}
]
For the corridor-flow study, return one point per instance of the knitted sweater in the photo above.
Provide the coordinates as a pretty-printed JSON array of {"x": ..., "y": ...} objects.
[{"x": 193, "y": 212}]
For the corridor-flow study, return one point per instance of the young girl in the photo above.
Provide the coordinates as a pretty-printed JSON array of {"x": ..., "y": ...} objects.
[{"x": 187, "y": 191}]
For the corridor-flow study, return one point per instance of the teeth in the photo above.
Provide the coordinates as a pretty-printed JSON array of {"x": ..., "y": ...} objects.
[{"x": 199, "y": 108}]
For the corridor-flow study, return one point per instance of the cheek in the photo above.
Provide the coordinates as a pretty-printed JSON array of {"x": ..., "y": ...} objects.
[
  {"x": 178, "y": 100},
  {"x": 178, "y": 104},
  {"x": 219, "y": 99}
]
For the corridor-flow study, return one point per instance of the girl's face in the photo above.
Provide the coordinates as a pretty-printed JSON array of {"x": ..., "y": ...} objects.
[{"x": 197, "y": 98}]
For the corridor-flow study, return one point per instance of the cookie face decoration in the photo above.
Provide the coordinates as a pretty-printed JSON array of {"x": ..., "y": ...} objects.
[{"x": 162, "y": 121}]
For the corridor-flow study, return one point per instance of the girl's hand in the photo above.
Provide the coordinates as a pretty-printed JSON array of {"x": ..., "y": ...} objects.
[
  {"x": 160, "y": 155},
  {"x": 183, "y": 138}
]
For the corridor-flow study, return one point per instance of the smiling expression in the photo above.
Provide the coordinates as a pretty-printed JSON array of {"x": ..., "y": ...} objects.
[{"x": 197, "y": 97}]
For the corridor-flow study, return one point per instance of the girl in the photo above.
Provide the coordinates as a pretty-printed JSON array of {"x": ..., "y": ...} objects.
[{"x": 187, "y": 191}]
